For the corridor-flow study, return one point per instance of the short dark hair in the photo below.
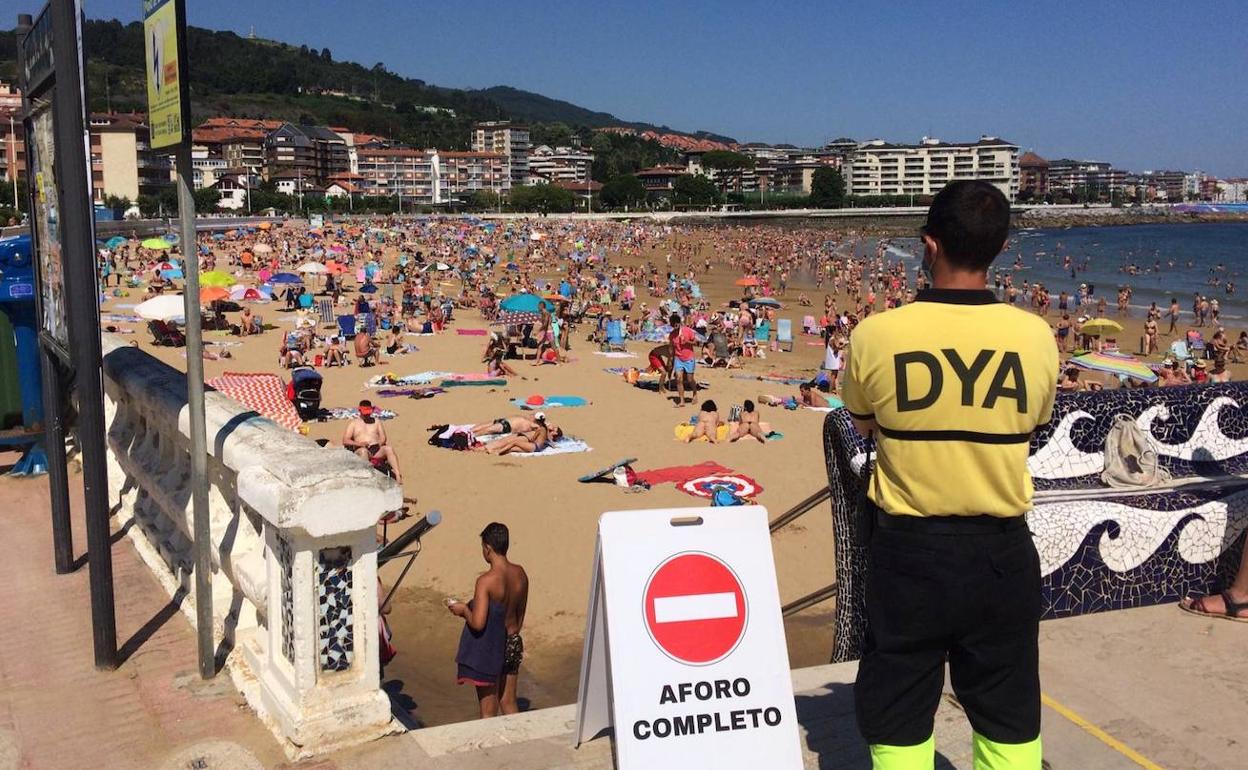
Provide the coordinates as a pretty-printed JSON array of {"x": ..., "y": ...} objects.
[
  {"x": 749, "y": 405},
  {"x": 675, "y": 319},
  {"x": 971, "y": 220},
  {"x": 709, "y": 406},
  {"x": 365, "y": 402},
  {"x": 496, "y": 536}
]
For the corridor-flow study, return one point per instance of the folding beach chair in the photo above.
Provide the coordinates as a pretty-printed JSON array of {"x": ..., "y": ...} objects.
[
  {"x": 784, "y": 333},
  {"x": 326, "y": 310},
  {"x": 1196, "y": 344},
  {"x": 1179, "y": 351},
  {"x": 615, "y": 336},
  {"x": 762, "y": 332},
  {"x": 346, "y": 326},
  {"x": 809, "y": 326}
]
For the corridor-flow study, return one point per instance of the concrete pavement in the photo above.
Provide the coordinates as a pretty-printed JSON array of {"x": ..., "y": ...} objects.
[{"x": 1151, "y": 687}]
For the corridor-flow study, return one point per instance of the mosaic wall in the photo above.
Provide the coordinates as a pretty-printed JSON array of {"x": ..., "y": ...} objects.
[
  {"x": 333, "y": 580},
  {"x": 286, "y": 563},
  {"x": 1100, "y": 549}
]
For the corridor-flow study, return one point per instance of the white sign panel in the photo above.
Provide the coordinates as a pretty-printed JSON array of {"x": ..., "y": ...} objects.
[{"x": 684, "y": 652}]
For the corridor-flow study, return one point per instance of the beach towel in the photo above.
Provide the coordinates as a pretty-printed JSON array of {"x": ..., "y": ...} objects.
[
  {"x": 549, "y": 402},
  {"x": 614, "y": 354},
  {"x": 409, "y": 392},
  {"x": 351, "y": 412},
  {"x": 423, "y": 378},
  {"x": 685, "y": 430},
  {"x": 706, "y": 486},
  {"x": 654, "y": 385},
  {"x": 677, "y": 474},
  {"x": 470, "y": 377},
  {"x": 777, "y": 378},
  {"x": 264, "y": 393},
  {"x": 470, "y": 383},
  {"x": 472, "y": 332},
  {"x": 120, "y": 318},
  {"x": 618, "y": 370},
  {"x": 833, "y": 403}
]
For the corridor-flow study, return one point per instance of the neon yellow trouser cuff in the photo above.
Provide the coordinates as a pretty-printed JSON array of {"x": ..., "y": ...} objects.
[
  {"x": 990, "y": 755},
  {"x": 921, "y": 756}
]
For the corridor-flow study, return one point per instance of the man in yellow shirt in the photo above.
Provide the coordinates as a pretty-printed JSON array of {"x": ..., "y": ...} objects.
[{"x": 952, "y": 387}]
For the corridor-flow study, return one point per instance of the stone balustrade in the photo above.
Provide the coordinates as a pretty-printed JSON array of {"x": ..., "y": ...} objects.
[{"x": 293, "y": 548}]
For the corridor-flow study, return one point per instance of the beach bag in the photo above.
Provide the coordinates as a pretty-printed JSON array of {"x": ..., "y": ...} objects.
[
  {"x": 1130, "y": 459},
  {"x": 724, "y": 497}
]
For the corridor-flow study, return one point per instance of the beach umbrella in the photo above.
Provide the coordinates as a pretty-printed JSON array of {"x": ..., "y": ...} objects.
[
  {"x": 218, "y": 236},
  {"x": 1101, "y": 326},
  {"x": 173, "y": 273},
  {"x": 213, "y": 293},
  {"x": 115, "y": 241},
  {"x": 335, "y": 268},
  {"x": 747, "y": 281},
  {"x": 285, "y": 278},
  {"x": 524, "y": 303},
  {"x": 248, "y": 294},
  {"x": 368, "y": 288},
  {"x": 156, "y": 243},
  {"x": 216, "y": 278},
  {"x": 262, "y": 248},
  {"x": 166, "y": 307},
  {"x": 517, "y": 318},
  {"x": 264, "y": 225},
  {"x": 1115, "y": 363},
  {"x": 765, "y": 302},
  {"x": 171, "y": 237},
  {"x": 312, "y": 267},
  {"x": 337, "y": 248}
]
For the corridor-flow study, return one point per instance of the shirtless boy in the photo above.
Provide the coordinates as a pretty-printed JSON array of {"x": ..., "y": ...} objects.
[
  {"x": 507, "y": 584},
  {"x": 365, "y": 436}
]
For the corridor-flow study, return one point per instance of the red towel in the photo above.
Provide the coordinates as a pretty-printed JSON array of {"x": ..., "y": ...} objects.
[
  {"x": 678, "y": 474},
  {"x": 472, "y": 332}
]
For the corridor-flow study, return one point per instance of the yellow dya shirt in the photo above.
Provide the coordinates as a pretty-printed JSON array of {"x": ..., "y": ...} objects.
[{"x": 956, "y": 382}]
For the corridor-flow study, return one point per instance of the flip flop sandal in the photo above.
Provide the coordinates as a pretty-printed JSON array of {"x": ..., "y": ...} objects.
[{"x": 1232, "y": 608}]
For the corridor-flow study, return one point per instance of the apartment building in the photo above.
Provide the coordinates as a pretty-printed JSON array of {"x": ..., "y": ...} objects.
[
  {"x": 395, "y": 171},
  {"x": 1087, "y": 179},
  {"x": 314, "y": 152},
  {"x": 237, "y": 142},
  {"x": 12, "y": 135},
  {"x": 877, "y": 167},
  {"x": 560, "y": 164},
  {"x": 460, "y": 174},
  {"x": 1033, "y": 176},
  {"x": 122, "y": 161},
  {"x": 659, "y": 180},
  {"x": 505, "y": 138}
]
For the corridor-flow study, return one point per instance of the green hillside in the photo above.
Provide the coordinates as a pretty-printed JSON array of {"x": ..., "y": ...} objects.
[{"x": 242, "y": 77}]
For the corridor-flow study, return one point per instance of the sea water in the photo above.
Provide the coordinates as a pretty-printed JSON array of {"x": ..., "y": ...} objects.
[{"x": 1157, "y": 261}]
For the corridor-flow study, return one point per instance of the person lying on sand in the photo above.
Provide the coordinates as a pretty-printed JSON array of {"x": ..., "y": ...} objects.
[
  {"x": 808, "y": 396},
  {"x": 748, "y": 425},
  {"x": 504, "y": 425},
  {"x": 541, "y": 437},
  {"x": 708, "y": 423}
]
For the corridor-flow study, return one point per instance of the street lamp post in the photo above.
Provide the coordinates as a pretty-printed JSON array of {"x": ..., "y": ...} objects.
[{"x": 12, "y": 165}]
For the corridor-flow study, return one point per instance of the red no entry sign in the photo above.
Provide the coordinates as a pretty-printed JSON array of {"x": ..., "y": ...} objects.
[{"x": 695, "y": 609}]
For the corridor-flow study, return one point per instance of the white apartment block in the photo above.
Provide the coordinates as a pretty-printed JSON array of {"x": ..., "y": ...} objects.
[
  {"x": 881, "y": 168},
  {"x": 387, "y": 171},
  {"x": 560, "y": 164},
  {"x": 1232, "y": 190},
  {"x": 505, "y": 138}
]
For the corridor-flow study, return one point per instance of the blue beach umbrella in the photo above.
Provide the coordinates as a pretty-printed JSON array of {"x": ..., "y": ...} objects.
[
  {"x": 285, "y": 278},
  {"x": 172, "y": 274},
  {"x": 115, "y": 241},
  {"x": 524, "y": 303},
  {"x": 368, "y": 288}
]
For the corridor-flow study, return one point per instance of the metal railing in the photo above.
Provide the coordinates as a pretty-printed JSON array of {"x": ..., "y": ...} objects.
[{"x": 788, "y": 517}]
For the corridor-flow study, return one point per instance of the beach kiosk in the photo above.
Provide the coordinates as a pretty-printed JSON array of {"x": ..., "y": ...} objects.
[{"x": 21, "y": 399}]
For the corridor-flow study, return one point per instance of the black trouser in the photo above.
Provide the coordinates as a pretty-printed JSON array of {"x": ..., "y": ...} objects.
[{"x": 960, "y": 589}]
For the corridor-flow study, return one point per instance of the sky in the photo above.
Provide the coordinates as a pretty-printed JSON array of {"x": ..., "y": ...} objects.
[{"x": 1144, "y": 85}]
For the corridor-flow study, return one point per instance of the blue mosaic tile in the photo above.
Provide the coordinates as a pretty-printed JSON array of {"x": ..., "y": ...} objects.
[{"x": 337, "y": 633}]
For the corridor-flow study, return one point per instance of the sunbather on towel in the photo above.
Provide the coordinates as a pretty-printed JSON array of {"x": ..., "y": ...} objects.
[
  {"x": 518, "y": 424},
  {"x": 365, "y": 436},
  {"x": 541, "y": 437},
  {"x": 749, "y": 425},
  {"x": 708, "y": 423}
]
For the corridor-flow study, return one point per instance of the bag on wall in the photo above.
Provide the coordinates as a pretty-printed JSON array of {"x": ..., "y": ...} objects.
[{"x": 1130, "y": 459}]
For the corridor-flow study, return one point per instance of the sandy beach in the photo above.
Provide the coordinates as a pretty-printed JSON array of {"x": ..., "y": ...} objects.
[{"x": 553, "y": 517}]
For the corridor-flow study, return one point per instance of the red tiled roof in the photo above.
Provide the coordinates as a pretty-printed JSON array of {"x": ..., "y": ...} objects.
[
  {"x": 482, "y": 155},
  {"x": 590, "y": 186},
  {"x": 223, "y": 122},
  {"x": 1031, "y": 159}
]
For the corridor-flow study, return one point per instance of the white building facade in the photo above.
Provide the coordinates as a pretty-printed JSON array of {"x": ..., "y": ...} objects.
[{"x": 881, "y": 168}]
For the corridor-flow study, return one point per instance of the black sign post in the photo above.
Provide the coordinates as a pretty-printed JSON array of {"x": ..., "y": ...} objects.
[{"x": 63, "y": 232}]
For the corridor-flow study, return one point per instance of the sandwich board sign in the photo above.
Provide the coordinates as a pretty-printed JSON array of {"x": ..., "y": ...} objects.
[{"x": 684, "y": 650}]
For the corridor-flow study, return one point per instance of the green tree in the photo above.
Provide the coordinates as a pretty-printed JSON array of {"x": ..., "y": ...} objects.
[
  {"x": 483, "y": 200},
  {"x": 542, "y": 198},
  {"x": 726, "y": 160},
  {"x": 116, "y": 203},
  {"x": 623, "y": 190},
  {"x": 206, "y": 199},
  {"x": 694, "y": 190},
  {"x": 827, "y": 189}
]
